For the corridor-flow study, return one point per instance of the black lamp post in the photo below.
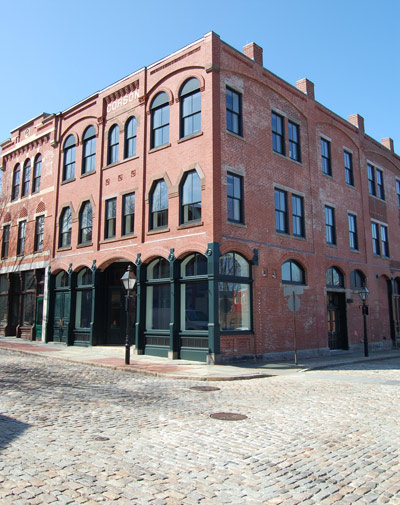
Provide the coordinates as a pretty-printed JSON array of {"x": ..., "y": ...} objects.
[
  {"x": 128, "y": 281},
  {"x": 364, "y": 295}
]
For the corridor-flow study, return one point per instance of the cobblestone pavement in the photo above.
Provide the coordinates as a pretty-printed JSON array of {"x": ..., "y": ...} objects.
[{"x": 76, "y": 434}]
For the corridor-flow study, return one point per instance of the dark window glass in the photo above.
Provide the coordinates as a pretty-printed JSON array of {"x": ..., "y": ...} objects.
[
  {"x": 26, "y": 178},
  {"x": 398, "y": 192},
  {"x": 281, "y": 214},
  {"x": 371, "y": 180},
  {"x": 385, "y": 241},
  {"x": 89, "y": 150},
  {"x": 278, "y": 133},
  {"x": 69, "y": 158},
  {"x": 234, "y": 306},
  {"x": 380, "y": 190},
  {"x": 357, "y": 279},
  {"x": 233, "y": 264},
  {"x": 235, "y": 198},
  {"x": 334, "y": 278},
  {"x": 158, "y": 269},
  {"x": 193, "y": 265},
  {"x": 294, "y": 141},
  {"x": 292, "y": 273},
  {"x": 128, "y": 213},
  {"x": 298, "y": 216},
  {"x": 348, "y": 167},
  {"x": 353, "y": 237},
  {"x": 233, "y": 111},
  {"x": 111, "y": 218},
  {"x": 28, "y": 301},
  {"x": 190, "y": 107},
  {"x": 191, "y": 198},
  {"x": 37, "y": 173},
  {"x": 16, "y": 182},
  {"x": 62, "y": 280},
  {"x": 83, "y": 311},
  {"x": 21, "y": 237},
  {"x": 6, "y": 241},
  {"x": 130, "y": 137},
  {"x": 194, "y": 306},
  {"x": 65, "y": 228},
  {"x": 159, "y": 121},
  {"x": 85, "y": 223},
  {"x": 330, "y": 225},
  {"x": 159, "y": 206},
  {"x": 39, "y": 233},
  {"x": 375, "y": 239},
  {"x": 113, "y": 145},
  {"x": 326, "y": 157},
  {"x": 158, "y": 306}
]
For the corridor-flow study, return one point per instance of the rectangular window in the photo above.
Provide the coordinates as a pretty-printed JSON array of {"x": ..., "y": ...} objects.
[
  {"x": 326, "y": 157},
  {"x": 235, "y": 198},
  {"x": 294, "y": 142},
  {"x": 6, "y": 241},
  {"x": 375, "y": 239},
  {"x": 233, "y": 111},
  {"x": 281, "y": 213},
  {"x": 298, "y": 216},
  {"x": 384, "y": 241},
  {"x": 353, "y": 237},
  {"x": 21, "y": 237},
  {"x": 278, "y": 133},
  {"x": 111, "y": 218},
  {"x": 348, "y": 167},
  {"x": 128, "y": 213},
  {"x": 330, "y": 225},
  {"x": 398, "y": 192},
  {"x": 371, "y": 180},
  {"x": 380, "y": 190},
  {"x": 39, "y": 233}
]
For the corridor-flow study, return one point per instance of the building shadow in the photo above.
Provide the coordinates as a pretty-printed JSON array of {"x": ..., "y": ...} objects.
[{"x": 10, "y": 429}]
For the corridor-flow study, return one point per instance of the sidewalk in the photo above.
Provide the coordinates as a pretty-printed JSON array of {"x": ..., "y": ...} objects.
[{"x": 114, "y": 357}]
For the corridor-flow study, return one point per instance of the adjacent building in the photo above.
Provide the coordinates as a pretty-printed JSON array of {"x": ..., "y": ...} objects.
[{"x": 233, "y": 195}]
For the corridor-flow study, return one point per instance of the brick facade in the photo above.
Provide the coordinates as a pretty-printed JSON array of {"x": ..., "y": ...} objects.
[{"x": 245, "y": 147}]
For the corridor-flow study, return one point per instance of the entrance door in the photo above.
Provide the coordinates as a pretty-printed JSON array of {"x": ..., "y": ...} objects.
[
  {"x": 39, "y": 318},
  {"x": 337, "y": 329},
  {"x": 61, "y": 316}
]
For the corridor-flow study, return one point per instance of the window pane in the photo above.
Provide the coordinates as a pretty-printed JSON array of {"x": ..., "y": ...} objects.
[
  {"x": 234, "y": 306},
  {"x": 194, "y": 306},
  {"x": 158, "y": 307}
]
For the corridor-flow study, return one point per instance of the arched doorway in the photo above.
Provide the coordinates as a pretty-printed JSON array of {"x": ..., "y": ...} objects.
[
  {"x": 62, "y": 301},
  {"x": 114, "y": 304}
]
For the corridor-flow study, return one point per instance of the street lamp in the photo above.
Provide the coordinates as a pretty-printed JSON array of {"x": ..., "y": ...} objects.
[
  {"x": 364, "y": 295},
  {"x": 128, "y": 281}
]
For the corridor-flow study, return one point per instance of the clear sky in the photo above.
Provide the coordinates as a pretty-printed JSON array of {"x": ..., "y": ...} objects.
[{"x": 56, "y": 53}]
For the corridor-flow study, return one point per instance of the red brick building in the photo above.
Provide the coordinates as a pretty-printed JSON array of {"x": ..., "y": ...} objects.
[{"x": 230, "y": 193}]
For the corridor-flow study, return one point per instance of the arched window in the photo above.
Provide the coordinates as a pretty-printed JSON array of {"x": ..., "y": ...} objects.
[
  {"x": 234, "y": 293},
  {"x": 113, "y": 144},
  {"x": 191, "y": 198},
  {"x": 194, "y": 296},
  {"x": 130, "y": 137},
  {"x": 62, "y": 280},
  {"x": 190, "y": 99},
  {"x": 65, "y": 228},
  {"x": 85, "y": 224},
  {"x": 159, "y": 120},
  {"x": 396, "y": 287},
  {"x": 158, "y": 296},
  {"x": 293, "y": 273},
  {"x": 334, "y": 278},
  {"x": 89, "y": 150},
  {"x": 357, "y": 279},
  {"x": 69, "y": 158},
  {"x": 37, "y": 173},
  {"x": 16, "y": 182},
  {"x": 159, "y": 206},
  {"x": 26, "y": 179},
  {"x": 83, "y": 307}
]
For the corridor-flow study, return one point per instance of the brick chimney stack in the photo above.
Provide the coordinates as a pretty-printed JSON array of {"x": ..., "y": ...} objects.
[
  {"x": 388, "y": 142},
  {"x": 357, "y": 121},
  {"x": 306, "y": 87},
  {"x": 254, "y": 52}
]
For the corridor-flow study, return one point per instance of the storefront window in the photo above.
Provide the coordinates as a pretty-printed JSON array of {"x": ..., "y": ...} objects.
[
  {"x": 3, "y": 300},
  {"x": 28, "y": 298},
  {"x": 83, "y": 314},
  {"x": 194, "y": 293},
  {"x": 158, "y": 295},
  {"x": 234, "y": 293}
]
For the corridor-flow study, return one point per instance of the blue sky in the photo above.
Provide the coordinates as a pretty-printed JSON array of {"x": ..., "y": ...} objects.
[{"x": 55, "y": 54}]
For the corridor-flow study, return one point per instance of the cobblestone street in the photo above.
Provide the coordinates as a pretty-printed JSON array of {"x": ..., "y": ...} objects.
[{"x": 72, "y": 434}]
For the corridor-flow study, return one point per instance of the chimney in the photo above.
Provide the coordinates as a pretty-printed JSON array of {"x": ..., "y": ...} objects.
[
  {"x": 357, "y": 121},
  {"x": 388, "y": 142},
  {"x": 306, "y": 87},
  {"x": 254, "y": 52}
]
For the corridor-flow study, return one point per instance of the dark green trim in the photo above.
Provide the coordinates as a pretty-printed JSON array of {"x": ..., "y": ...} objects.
[
  {"x": 213, "y": 254},
  {"x": 140, "y": 304}
]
